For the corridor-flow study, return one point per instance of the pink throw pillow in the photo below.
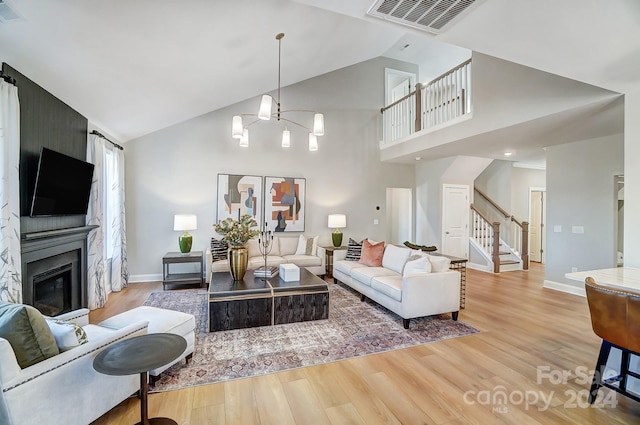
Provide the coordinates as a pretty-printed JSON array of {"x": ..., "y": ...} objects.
[{"x": 372, "y": 254}]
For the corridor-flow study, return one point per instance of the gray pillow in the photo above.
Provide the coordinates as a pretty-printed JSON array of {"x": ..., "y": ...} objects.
[{"x": 27, "y": 332}]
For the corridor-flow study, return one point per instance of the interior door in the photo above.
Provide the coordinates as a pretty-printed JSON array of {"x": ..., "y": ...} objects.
[
  {"x": 455, "y": 220},
  {"x": 536, "y": 226}
]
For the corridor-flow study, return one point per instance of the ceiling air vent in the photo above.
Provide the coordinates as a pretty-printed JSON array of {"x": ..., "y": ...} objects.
[
  {"x": 428, "y": 15},
  {"x": 7, "y": 14}
]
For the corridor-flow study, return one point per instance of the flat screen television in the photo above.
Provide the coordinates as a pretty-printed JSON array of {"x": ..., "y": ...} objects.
[{"x": 63, "y": 185}]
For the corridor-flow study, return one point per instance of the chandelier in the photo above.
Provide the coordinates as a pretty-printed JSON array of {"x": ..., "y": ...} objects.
[{"x": 240, "y": 131}]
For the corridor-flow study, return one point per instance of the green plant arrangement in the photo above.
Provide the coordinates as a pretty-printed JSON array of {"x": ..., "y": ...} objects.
[{"x": 236, "y": 233}]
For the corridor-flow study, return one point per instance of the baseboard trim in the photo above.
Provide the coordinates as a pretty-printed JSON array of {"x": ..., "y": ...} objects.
[
  {"x": 145, "y": 278},
  {"x": 565, "y": 287}
]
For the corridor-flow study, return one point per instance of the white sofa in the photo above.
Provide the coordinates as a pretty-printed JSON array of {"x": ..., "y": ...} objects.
[
  {"x": 283, "y": 251},
  {"x": 409, "y": 289},
  {"x": 65, "y": 389}
]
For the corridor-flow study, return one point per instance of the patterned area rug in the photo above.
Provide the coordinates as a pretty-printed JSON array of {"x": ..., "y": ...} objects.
[{"x": 354, "y": 328}]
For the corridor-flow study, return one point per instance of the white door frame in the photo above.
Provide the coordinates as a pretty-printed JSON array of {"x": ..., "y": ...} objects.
[
  {"x": 543, "y": 231},
  {"x": 444, "y": 214}
]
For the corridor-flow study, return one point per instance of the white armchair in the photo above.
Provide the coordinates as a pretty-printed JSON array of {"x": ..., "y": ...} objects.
[{"x": 65, "y": 389}]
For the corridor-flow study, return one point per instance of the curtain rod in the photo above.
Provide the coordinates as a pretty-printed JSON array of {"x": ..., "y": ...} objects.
[
  {"x": 97, "y": 133},
  {"x": 7, "y": 78}
]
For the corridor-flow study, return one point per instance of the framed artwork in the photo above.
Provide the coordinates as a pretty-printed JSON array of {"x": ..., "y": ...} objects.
[
  {"x": 284, "y": 206},
  {"x": 239, "y": 195}
]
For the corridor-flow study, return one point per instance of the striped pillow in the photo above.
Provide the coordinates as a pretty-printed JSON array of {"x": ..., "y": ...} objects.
[
  {"x": 218, "y": 249},
  {"x": 354, "y": 250}
]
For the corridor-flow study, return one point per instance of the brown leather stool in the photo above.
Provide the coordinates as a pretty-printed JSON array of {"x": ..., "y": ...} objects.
[{"x": 615, "y": 317}]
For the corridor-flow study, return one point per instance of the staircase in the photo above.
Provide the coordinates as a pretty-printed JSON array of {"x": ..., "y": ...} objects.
[{"x": 490, "y": 241}]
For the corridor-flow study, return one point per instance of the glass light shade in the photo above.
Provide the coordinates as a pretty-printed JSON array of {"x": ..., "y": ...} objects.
[
  {"x": 236, "y": 128},
  {"x": 265, "y": 107},
  {"x": 183, "y": 222},
  {"x": 313, "y": 142},
  {"x": 337, "y": 221},
  {"x": 244, "y": 140},
  {"x": 318, "y": 125},
  {"x": 286, "y": 138}
]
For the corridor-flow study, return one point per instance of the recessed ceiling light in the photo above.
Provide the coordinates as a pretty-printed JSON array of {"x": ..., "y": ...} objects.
[
  {"x": 508, "y": 153},
  {"x": 418, "y": 158}
]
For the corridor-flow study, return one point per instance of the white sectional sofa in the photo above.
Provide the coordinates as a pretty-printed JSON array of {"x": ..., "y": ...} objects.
[
  {"x": 284, "y": 250},
  {"x": 423, "y": 286}
]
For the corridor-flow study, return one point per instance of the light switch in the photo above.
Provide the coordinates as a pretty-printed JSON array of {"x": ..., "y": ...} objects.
[
  {"x": 577, "y": 229},
  {"x": 557, "y": 228},
  {"x": 376, "y": 221}
]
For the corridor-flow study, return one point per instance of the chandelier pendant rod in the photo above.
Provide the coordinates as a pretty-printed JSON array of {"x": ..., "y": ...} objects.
[{"x": 279, "y": 37}]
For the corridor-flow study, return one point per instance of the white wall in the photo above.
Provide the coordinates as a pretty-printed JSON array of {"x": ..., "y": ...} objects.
[
  {"x": 523, "y": 179},
  {"x": 581, "y": 192},
  {"x": 174, "y": 170}
]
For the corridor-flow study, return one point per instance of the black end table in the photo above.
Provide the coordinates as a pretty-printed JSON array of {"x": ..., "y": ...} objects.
[{"x": 141, "y": 354}]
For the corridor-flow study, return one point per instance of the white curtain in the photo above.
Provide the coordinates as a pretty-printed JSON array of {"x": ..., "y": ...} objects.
[
  {"x": 107, "y": 252},
  {"x": 10, "y": 263}
]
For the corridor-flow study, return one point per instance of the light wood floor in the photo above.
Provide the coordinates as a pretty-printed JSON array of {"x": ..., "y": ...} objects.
[{"x": 524, "y": 329}]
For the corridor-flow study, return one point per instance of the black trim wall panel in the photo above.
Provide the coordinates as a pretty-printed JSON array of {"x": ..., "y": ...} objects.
[{"x": 44, "y": 121}]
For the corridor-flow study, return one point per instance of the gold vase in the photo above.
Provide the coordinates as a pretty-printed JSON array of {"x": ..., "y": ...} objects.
[{"x": 238, "y": 261}]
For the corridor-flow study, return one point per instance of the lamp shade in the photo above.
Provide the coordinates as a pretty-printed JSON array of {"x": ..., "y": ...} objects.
[
  {"x": 236, "y": 128},
  {"x": 313, "y": 142},
  {"x": 318, "y": 125},
  {"x": 244, "y": 140},
  {"x": 337, "y": 221},
  {"x": 265, "y": 108},
  {"x": 286, "y": 138},
  {"x": 184, "y": 222}
]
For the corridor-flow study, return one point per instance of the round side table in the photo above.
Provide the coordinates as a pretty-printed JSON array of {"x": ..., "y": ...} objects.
[{"x": 141, "y": 354}]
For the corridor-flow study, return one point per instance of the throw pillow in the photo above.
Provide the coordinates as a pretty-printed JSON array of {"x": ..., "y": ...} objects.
[
  {"x": 27, "y": 332},
  {"x": 439, "y": 264},
  {"x": 305, "y": 245},
  {"x": 372, "y": 254},
  {"x": 354, "y": 250},
  {"x": 218, "y": 249},
  {"x": 419, "y": 265},
  {"x": 67, "y": 334}
]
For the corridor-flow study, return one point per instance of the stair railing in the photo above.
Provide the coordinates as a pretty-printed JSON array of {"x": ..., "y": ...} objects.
[
  {"x": 487, "y": 235},
  {"x": 518, "y": 232},
  {"x": 437, "y": 102}
]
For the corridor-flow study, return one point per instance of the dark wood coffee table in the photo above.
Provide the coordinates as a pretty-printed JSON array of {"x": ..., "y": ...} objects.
[
  {"x": 257, "y": 301},
  {"x": 141, "y": 354}
]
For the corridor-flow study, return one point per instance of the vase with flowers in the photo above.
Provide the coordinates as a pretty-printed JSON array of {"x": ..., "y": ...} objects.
[{"x": 236, "y": 233}]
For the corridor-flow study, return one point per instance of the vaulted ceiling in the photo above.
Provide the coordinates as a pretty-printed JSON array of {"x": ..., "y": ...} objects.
[{"x": 133, "y": 67}]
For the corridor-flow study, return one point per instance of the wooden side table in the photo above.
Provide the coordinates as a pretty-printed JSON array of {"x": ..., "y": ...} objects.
[
  {"x": 328, "y": 258},
  {"x": 460, "y": 265},
  {"x": 169, "y": 278}
]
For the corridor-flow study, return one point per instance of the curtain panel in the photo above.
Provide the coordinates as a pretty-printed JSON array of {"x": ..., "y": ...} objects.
[
  {"x": 107, "y": 255},
  {"x": 10, "y": 258}
]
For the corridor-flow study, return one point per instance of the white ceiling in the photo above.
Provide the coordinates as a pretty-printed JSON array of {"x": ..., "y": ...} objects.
[{"x": 134, "y": 67}]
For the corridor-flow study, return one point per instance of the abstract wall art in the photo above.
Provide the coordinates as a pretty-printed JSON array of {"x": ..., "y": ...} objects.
[
  {"x": 239, "y": 195},
  {"x": 284, "y": 208}
]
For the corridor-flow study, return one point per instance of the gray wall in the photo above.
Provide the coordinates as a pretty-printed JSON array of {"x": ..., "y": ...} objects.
[
  {"x": 174, "y": 170},
  {"x": 581, "y": 192}
]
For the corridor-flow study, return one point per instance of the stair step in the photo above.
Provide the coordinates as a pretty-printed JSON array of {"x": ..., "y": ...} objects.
[
  {"x": 504, "y": 253},
  {"x": 505, "y": 262}
]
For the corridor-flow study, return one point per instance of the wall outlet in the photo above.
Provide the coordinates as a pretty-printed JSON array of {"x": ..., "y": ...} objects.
[
  {"x": 577, "y": 229},
  {"x": 574, "y": 269},
  {"x": 557, "y": 228}
]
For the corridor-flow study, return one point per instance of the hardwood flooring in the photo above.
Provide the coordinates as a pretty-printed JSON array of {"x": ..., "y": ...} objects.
[{"x": 530, "y": 336}]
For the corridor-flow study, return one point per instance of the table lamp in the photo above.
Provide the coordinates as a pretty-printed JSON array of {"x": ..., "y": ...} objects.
[
  {"x": 184, "y": 222},
  {"x": 337, "y": 221}
]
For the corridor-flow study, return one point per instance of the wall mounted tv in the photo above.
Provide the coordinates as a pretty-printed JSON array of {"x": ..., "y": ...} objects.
[{"x": 63, "y": 185}]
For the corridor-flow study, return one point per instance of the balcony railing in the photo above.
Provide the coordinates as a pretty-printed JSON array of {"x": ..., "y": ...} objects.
[{"x": 429, "y": 105}]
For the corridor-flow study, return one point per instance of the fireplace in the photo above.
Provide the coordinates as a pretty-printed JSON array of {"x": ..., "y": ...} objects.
[
  {"x": 54, "y": 284},
  {"x": 54, "y": 270}
]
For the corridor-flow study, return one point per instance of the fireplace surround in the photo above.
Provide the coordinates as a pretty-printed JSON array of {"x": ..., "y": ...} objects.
[{"x": 54, "y": 269}]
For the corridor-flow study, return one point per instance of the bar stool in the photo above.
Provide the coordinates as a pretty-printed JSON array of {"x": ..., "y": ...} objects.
[{"x": 615, "y": 317}]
